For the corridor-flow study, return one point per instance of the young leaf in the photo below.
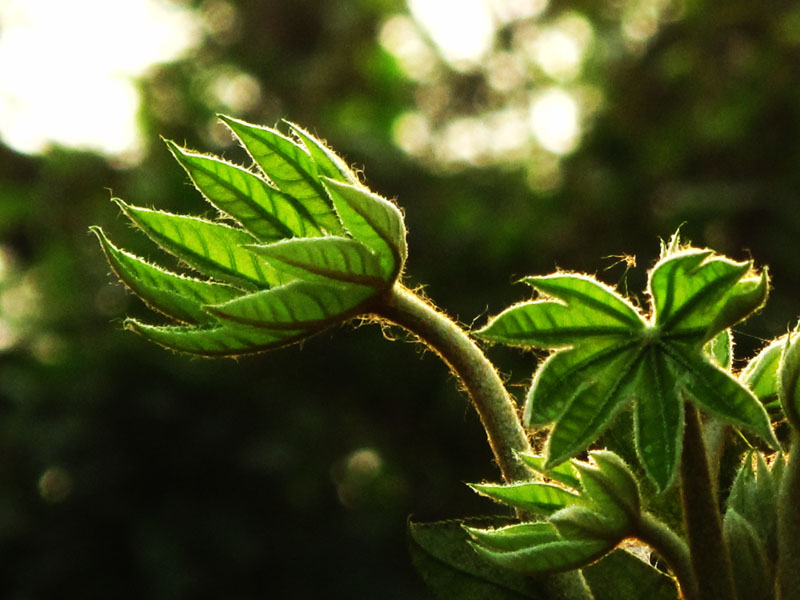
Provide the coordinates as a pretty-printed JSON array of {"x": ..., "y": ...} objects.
[
  {"x": 623, "y": 576},
  {"x": 290, "y": 167},
  {"x": 179, "y": 297},
  {"x": 372, "y": 220},
  {"x": 607, "y": 355},
  {"x": 298, "y": 304},
  {"x": 452, "y": 569},
  {"x": 535, "y": 498},
  {"x": 564, "y": 473},
  {"x": 325, "y": 259},
  {"x": 789, "y": 374},
  {"x": 216, "y": 250},
  {"x": 587, "y": 309},
  {"x": 220, "y": 340},
  {"x": 329, "y": 164},
  {"x": 556, "y": 556},
  {"x": 611, "y": 487},
  {"x": 514, "y": 537},
  {"x": 583, "y": 523},
  {"x": 761, "y": 373},
  {"x": 751, "y": 571},
  {"x": 720, "y": 348},
  {"x": 263, "y": 210}
]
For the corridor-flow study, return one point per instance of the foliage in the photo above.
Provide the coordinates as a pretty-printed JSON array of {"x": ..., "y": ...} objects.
[
  {"x": 145, "y": 457},
  {"x": 311, "y": 246}
]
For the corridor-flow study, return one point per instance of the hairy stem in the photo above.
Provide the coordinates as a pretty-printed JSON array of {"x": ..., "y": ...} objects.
[
  {"x": 670, "y": 547},
  {"x": 710, "y": 559},
  {"x": 496, "y": 409},
  {"x": 789, "y": 525}
]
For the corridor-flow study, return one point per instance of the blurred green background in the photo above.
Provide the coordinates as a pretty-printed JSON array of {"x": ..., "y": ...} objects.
[{"x": 518, "y": 136}]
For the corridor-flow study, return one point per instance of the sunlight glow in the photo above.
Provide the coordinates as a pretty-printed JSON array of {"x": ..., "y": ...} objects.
[
  {"x": 554, "y": 121},
  {"x": 68, "y": 70},
  {"x": 462, "y": 29}
]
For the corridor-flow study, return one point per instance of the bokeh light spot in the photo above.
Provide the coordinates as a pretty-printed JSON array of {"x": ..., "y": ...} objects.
[
  {"x": 554, "y": 121},
  {"x": 69, "y": 69}
]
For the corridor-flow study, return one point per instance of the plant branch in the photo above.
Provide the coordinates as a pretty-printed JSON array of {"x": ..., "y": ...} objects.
[
  {"x": 670, "y": 547},
  {"x": 789, "y": 525},
  {"x": 709, "y": 553},
  {"x": 496, "y": 408}
]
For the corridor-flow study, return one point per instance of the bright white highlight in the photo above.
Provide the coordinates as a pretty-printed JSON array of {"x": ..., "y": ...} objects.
[
  {"x": 68, "y": 69},
  {"x": 462, "y": 29},
  {"x": 554, "y": 121}
]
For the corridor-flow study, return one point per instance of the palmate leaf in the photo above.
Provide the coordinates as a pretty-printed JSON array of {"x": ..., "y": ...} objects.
[
  {"x": 301, "y": 246},
  {"x": 607, "y": 355}
]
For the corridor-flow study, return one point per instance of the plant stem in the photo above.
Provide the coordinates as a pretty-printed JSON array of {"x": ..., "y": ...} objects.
[
  {"x": 496, "y": 408},
  {"x": 672, "y": 549},
  {"x": 789, "y": 525},
  {"x": 709, "y": 553}
]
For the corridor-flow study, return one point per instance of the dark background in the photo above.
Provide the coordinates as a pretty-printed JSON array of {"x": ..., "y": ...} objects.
[{"x": 129, "y": 472}]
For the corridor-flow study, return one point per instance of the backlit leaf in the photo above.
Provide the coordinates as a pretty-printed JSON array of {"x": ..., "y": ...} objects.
[
  {"x": 372, "y": 220},
  {"x": 290, "y": 167},
  {"x": 263, "y": 210},
  {"x": 514, "y": 537},
  {"x": 533, "y": 497},
  {"x": 587, "y": 308},
  {"x": 556, "y": 556},
  {"x": 221, "y": 340},
  {"x": 761, "y": 373},
  {"x": 329, "y": 164},
  {"x": 179, "y": 297},
  {"x": 299, "y": 304},
  {"x": 325, "y": 259},
  {"x": 789, "y": 379},
  {"x": 214, "y": 249},
  {"x": 564, "y": 473},
  {"x": 607, "y": 354}
]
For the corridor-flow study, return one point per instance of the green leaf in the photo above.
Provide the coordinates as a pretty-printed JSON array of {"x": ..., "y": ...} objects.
[
  {"x": 574, "y": 383},
  {"x": 536, "y": 498},
  {"x": 611, "y": 487},
  {"x": 514, "y": 537},
  {"x": 290, "y": 167},
  {"x": 605, "y": 387},
  {"x": 718, "y": 392},
  {"x": 325, "y": 259},
  {"x": 788, "y": 376},
  {"x": 179, "y": 297},
  {"x": 298, "y": 304},
  {"x": 761, "y": 373},
  {"x": 372, "y": 220},
  {"x": 564, "y": 473},
  {"x": 692, "y": 288},
  {"x": 751, "y": 572},
  {"x": 453, "y": 570},
  {"x": 658, "y": 421},
  {"x": 583, "y": 523},
  {"x": 720, "y": 349},
  {"x": 754, "y": 497},
  {"x": 622, "y": 576},
  {"x": 553, "y": 557},
  {"x": 329, "y": 164},
  {"x": 607, "y": 355},
  {"x": 221, "y": 340},
  {"x": 583, "y": 308},
  {"x": 263, "y": 210},
  {"x": 216, "y": 250}
]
